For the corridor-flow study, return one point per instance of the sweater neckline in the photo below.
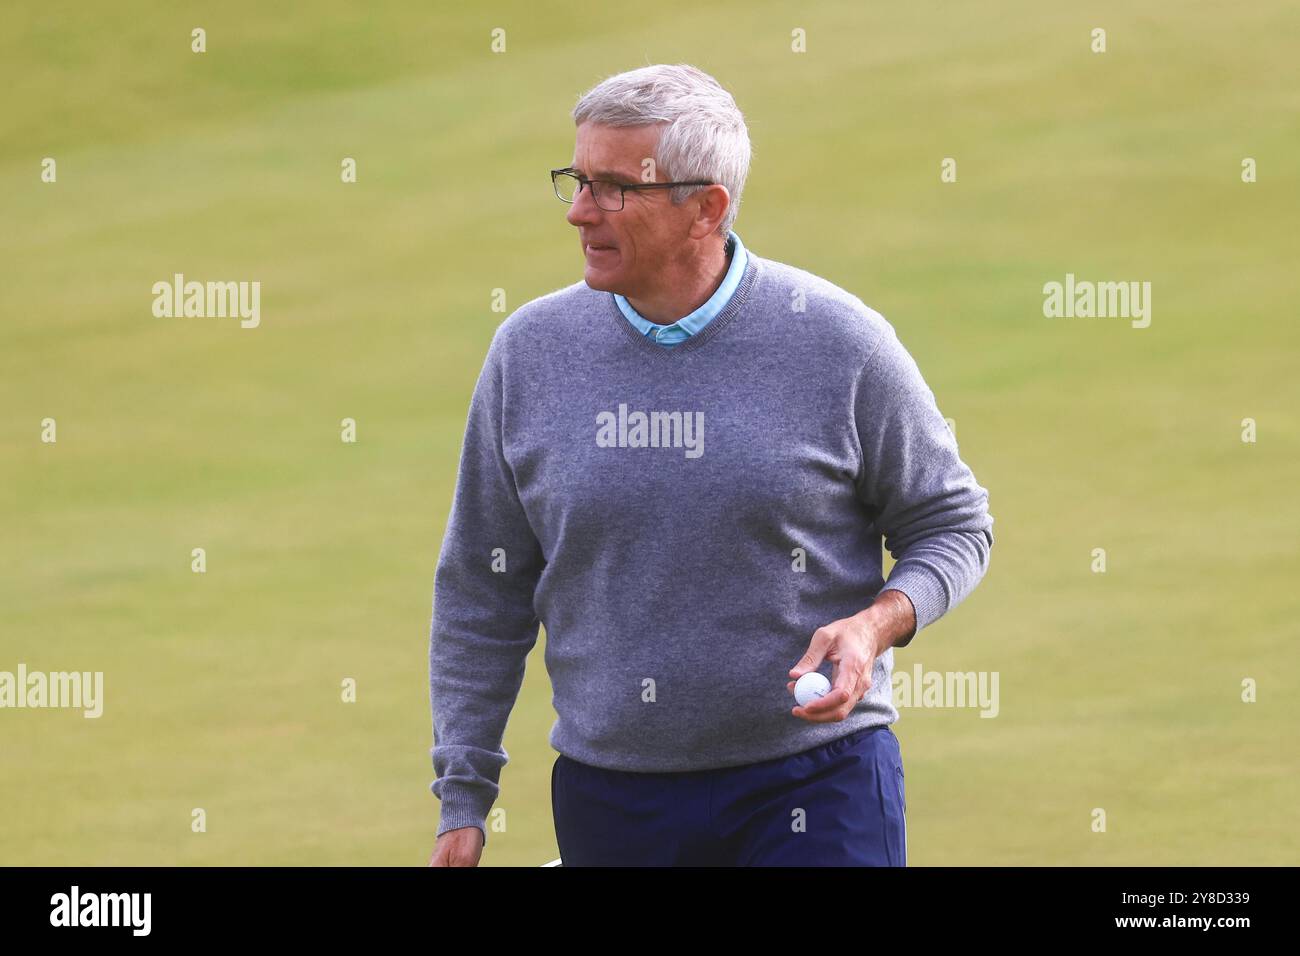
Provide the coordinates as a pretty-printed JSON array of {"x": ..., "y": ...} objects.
[{"x": 706, "y": 334}]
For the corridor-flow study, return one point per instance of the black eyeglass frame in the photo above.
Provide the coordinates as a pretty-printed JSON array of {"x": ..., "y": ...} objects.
[{"x": 622, "y": 187}]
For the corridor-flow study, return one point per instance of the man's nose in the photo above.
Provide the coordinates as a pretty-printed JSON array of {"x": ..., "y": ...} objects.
[{"x": 583, "y": 210}]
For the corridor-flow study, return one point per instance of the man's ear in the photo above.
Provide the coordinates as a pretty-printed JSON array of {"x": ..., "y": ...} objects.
[{"x": 713, "y": 203}]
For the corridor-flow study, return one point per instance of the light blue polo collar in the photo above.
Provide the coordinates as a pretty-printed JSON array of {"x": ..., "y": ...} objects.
[{"x": 689, "y": 325}]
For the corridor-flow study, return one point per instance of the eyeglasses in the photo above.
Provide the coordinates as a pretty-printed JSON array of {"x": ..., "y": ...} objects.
[{"x": 568, "y": 183}]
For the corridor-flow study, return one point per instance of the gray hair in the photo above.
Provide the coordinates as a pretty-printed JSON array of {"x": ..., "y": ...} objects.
[{"x": 705, "y": 138}]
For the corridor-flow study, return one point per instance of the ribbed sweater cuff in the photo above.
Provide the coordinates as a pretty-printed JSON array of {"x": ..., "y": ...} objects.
[
  {"x": 463, "y": 808},
  {"x": 924, "y": 588}
]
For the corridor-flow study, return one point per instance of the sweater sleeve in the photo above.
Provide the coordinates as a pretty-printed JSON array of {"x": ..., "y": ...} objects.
[
  {"x": 483, "y": 622},
  {"x": 923, "y": 498}
]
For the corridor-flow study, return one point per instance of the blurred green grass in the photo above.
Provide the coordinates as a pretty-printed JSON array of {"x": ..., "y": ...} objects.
[{"x": 1119, "y": 691}]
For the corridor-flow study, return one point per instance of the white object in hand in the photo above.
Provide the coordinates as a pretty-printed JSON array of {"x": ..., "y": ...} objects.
[{"x": 809, "y": 687}]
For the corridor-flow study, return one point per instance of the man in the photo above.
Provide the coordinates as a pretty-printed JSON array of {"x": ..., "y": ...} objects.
[{"x": 684, "y": 466}]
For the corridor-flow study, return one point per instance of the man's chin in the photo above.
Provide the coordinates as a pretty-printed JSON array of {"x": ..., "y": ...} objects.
[{"x": 601, "y": 280}]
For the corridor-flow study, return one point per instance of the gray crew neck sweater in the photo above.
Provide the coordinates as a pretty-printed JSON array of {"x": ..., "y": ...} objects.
[{"x": 681, "y": 521}]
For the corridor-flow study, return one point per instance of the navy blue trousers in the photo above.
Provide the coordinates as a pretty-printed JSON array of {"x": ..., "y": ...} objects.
[{"x": 840, "y": 804}]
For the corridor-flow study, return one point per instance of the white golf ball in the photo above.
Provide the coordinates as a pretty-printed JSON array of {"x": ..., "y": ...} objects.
[{"x": 809, "y": 687}]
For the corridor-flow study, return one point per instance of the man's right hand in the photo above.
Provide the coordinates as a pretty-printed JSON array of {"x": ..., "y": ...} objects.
[{"x": 460, "y": 847}]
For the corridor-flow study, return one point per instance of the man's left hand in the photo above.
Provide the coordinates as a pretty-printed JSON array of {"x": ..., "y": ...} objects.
[{"x": 851, "y": 643}]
